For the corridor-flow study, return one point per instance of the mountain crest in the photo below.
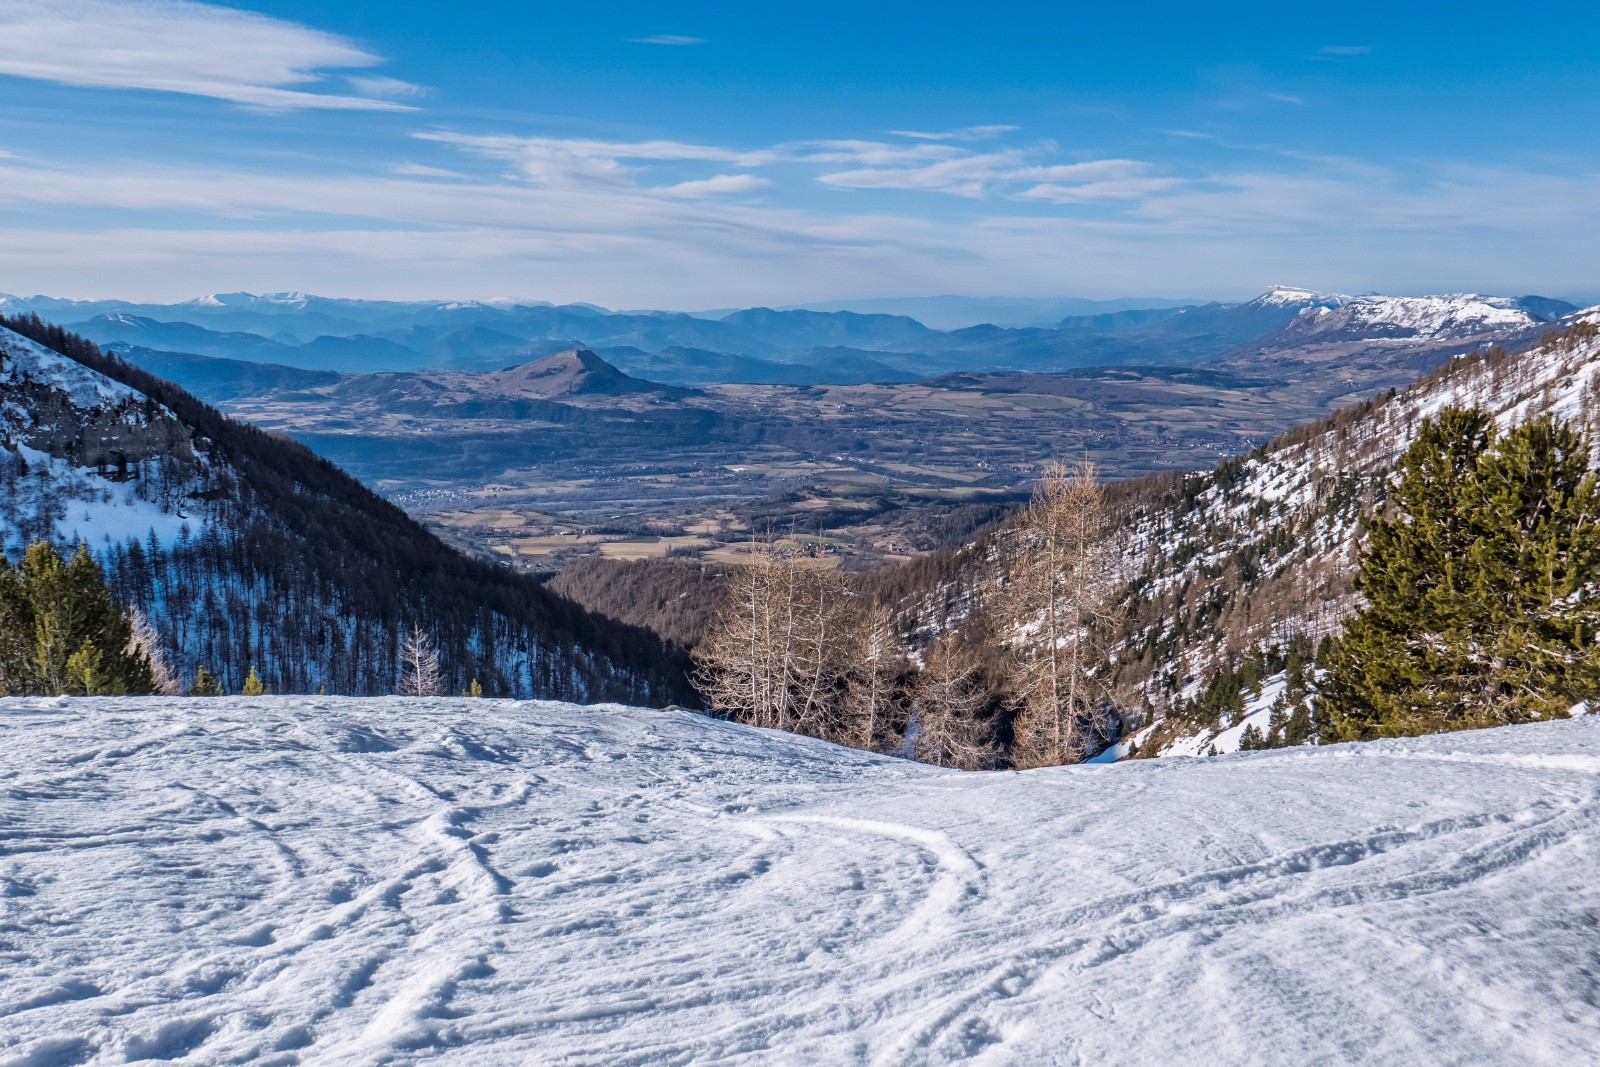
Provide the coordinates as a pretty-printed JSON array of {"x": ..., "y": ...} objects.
[{"x": 572, "y": 372}]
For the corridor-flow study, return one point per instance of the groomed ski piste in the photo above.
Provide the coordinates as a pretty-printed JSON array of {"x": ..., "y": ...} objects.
[{"x": 316, "y": 880}]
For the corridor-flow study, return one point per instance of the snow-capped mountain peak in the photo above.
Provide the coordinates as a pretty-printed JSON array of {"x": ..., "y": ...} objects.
[
  {"x": 1293, "y": 296},
  {"x": 246, "y": 300},
  {"x": 1462, "y": 317}
]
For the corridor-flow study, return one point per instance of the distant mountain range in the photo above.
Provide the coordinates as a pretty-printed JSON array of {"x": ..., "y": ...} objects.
[
  {"x": 955, "y": 312},
  {"x": 797, "y": 346},
  {"x": 612, "y": 436}
]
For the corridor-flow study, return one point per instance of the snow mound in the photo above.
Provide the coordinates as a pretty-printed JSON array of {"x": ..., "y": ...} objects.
[{"x": 484, "y": 882}]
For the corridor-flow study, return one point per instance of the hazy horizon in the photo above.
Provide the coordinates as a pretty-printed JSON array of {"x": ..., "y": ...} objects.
[{"x": 723, "y": 156}]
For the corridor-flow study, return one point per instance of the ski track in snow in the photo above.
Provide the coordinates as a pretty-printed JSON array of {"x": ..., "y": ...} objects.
[{"x": 317, "y": 880}]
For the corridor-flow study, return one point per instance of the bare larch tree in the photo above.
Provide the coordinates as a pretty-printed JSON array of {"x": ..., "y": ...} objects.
[
  {"x": 878, "y": 660},
  {"x": 778, "y": 653},
  {"x": 946, "y": 701},
  {"x": 1056, "y": 615},
  {"x": 419, "y": 665}
]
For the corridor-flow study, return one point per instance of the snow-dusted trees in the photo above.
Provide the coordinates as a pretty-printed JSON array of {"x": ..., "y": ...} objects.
[
  {"x": 419, "y": 665},
  {"x": 144, "y": 641},
  {"x": 1054, "y": 614},
  {"x": 779, "y": 651}
]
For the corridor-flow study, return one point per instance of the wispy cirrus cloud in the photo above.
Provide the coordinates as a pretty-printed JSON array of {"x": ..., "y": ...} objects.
[
  {"x": 197, "y": 49},
  {"x": 716, "y": 185},
  {"x": 557, "y": 162},
  {"x": 420, "y": 170},
  {"x": 1013, "y": 173},
  {"x": 969, "y": 133},
  {"x": 670, "y": 39},
  {"x": 925, "y": 162},
  {"x": 681, "y": 243}
]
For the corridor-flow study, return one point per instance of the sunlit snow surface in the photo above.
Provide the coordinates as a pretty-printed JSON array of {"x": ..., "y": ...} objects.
[{"x": 336, "y": 881}]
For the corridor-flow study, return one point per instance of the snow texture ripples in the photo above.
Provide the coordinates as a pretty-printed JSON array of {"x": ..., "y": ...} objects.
[{"x": 317, "y": 880}]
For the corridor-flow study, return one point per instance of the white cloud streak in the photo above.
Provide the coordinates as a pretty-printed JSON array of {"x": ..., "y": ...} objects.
[
  {"x": 1009, "y": 173},
  {"x": 969, "y": 133},
  {"x": 717, "y": 185},
  {"x": 197, "y": 49},
  {"x": 556, "y": 163},
  {"x": 670, "y": 39}
]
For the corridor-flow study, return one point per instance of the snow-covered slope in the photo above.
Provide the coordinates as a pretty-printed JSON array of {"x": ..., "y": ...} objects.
[
  {"x": 1292, "y": 296},
  {"x": 1454, "y": 316},
  {"x": 473, "y": 882},
  {"x": 84, "y": 458}
]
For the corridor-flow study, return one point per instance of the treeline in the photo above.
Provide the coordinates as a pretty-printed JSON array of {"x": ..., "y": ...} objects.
[
  {"x": 674, "y": 598},
  {"x": 292, "y": 567},
  {"x": 1480, "y": 606},
  {"x": 1021, "y": 682}
]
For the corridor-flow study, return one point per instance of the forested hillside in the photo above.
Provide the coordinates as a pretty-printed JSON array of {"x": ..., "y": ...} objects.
[
  {"x": 1193, "y": 611},
  {"x": 246, "y": 550},
  {"x": 1226, "y": 576}
]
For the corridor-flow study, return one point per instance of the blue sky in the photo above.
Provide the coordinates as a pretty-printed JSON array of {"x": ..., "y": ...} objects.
[{"x": 677, "y": 154}]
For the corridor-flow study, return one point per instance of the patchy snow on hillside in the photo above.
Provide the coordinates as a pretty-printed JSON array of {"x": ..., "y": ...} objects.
[
  {"x": 21, "y": 358},
  {"x": 1319, "y": 486},
  {"x": 1225, "y": 737},
  {"x": 67, "y": 505},
  {"x": 479, "y": 882},
  {"x": 55, "y": 491}
]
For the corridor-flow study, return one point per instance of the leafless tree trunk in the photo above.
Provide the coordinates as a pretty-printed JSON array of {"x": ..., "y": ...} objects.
[
  {"x": 419, "y": 665},
  {"x": 878, "y": 659},
  {"x": 946, "y": 700},
  {"x": 1057, "y": 615},
  {"x": 778, "y": 653}
]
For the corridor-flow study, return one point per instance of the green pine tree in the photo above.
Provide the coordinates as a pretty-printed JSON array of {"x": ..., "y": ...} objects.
[
  {"x": 17, "y": 675},
  {"x": 1479, "y": 609},
  {"x": 86, "y": 674},
  {"x": 253, "y": 686},
  {"x": 205, "y": 684},
  {"x": 61, "y": 631},
  {"x": 1536, "y": 508},
  {"x": 474, "y": 690},
  {"x": 1297, "y": 731}
]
